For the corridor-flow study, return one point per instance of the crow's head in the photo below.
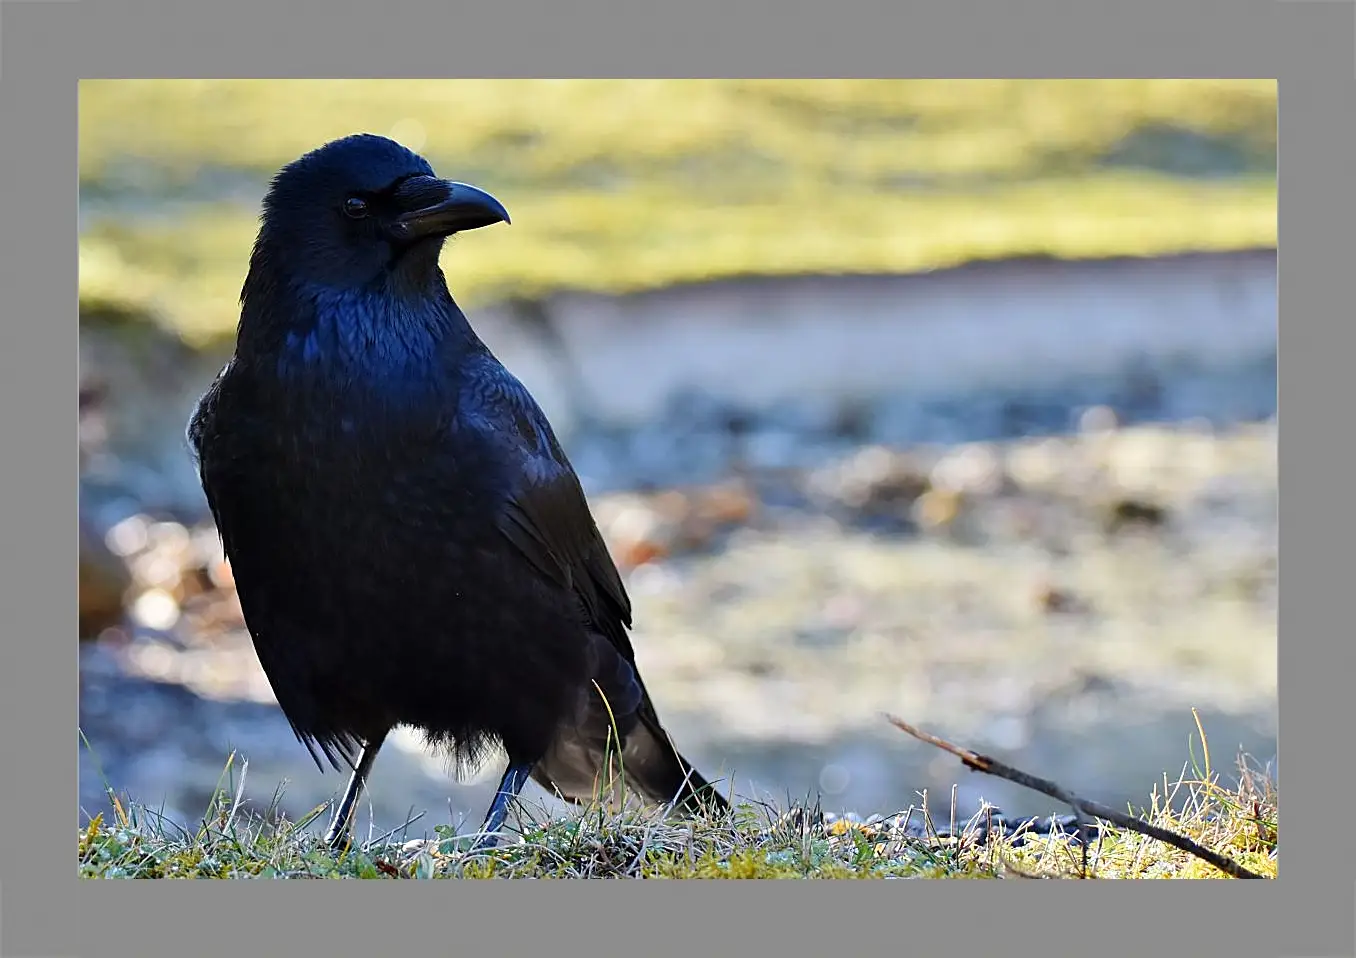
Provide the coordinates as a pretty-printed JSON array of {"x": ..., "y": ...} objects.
[{"x": 362, "y": 209}]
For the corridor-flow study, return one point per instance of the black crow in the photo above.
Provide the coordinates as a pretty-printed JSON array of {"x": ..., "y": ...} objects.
[{"x": 409, "y": 542}]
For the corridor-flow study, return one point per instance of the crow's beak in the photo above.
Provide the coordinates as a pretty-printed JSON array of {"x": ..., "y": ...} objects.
[{"x": 442, "y": 207}]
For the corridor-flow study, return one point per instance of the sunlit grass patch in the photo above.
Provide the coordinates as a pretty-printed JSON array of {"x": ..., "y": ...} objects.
[
  {"x": 754, "y": 841},
  {"x": 189, "y": 270},
  {"x": 624, "y": 185},
  {"x": 556, "y": 131}
]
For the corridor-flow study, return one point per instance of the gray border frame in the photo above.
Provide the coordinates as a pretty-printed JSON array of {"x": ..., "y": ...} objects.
[{"x": 45, "y": 46}]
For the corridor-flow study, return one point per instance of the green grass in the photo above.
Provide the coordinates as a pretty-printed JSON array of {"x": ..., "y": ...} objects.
[
  {"x": 753, "y": 842},
  {"x": 626, "y": 185}
]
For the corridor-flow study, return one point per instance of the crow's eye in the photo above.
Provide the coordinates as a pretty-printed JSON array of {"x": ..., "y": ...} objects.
[{"x": 355, "y": 207}]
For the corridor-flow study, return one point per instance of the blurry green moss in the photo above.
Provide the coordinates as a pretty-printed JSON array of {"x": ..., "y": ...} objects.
[{"x": 625, "y": 185}]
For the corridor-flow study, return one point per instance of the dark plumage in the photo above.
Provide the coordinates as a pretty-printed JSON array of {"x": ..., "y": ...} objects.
[{"x": 409, "y": 542}]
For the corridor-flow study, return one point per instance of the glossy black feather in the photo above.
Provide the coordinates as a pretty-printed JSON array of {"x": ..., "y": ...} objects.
[{"x": 409, "y": 541}]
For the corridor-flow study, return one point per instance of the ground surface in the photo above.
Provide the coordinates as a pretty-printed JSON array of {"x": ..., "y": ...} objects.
[{"x": 1062, "y": 603}]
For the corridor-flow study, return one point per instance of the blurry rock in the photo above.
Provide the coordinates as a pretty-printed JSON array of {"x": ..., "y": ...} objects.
[
  {"x": 938, "y": 509},
  {"x": 635, "y": 531},
  {"x": 130, "y": 537},
  {"x": 1144, "y": 459},
  {"x": 975, "y": 468},
  {"x": 642, "y": 528},
  {"x": 632, "y": 555},
  {"x": 156, "y": 609},
  {"x": 732, "y": 502},
  {"x": 1053, "y": 600},
  {"x": 759, "y": 668},
  {"x": 1040, "y": 463},
  {"x": 1098, "y": 419},
  {"x": 1020, "y": 519},
  {"x": 873, "y": 483},
  {"x": 104, "y": 582},
  {"x": 1124, "y": 513}
]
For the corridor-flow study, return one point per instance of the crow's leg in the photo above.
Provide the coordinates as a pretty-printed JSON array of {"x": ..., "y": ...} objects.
[
  {"x": 515, "y": 777},
  {"x": 343, "y": 815}
]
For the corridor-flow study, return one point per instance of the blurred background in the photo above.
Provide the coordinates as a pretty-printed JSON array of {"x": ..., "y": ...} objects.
[{"x": 954, "y": 399}]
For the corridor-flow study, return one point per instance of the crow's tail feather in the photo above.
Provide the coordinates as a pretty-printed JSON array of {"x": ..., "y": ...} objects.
[
  {"x": 657, "y": 769},
  {"x": 697, "y": 794},
  {"x": 649, "y": 765}
]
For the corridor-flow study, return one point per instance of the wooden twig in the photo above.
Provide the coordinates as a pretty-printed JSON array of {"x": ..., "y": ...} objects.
[{"x": 1081, "y": 806}]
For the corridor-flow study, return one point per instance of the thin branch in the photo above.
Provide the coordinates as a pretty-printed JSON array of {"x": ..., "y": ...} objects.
[{"x": 1081, "y": 806}]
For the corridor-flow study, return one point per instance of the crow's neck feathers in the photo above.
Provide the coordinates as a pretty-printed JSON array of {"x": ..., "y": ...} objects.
[{"x": 386, "y": 333}]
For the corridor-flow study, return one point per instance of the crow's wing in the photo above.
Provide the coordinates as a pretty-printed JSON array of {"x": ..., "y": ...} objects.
[
  {"x": 218, "y": 453},
  {"x": 546, "y": 519},
  {"x": 549, "y": 523},
  {"x": 546, "y": 515}
]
